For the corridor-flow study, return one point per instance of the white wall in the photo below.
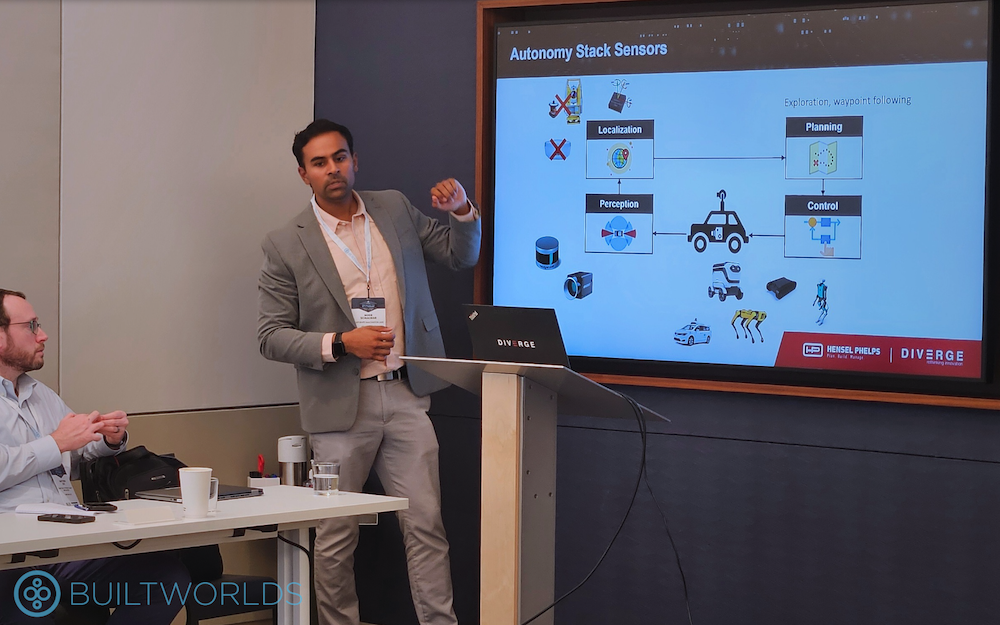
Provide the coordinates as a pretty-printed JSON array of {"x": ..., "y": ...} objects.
[
  {"x": 29, "y": 162},
  {"x": 177, "y": 122}
]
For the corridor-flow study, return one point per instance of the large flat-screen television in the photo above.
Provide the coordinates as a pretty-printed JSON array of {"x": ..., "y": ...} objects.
[{"x": 750, "y": 192}]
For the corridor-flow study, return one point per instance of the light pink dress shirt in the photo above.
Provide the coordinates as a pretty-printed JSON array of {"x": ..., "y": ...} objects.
[
  {"x": 383, "y": 281},
  {"x": 383, "y": 278}
]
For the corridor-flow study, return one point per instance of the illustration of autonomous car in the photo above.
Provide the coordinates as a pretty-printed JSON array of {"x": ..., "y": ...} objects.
[
  {"x": 692, "y": 333},
  {"x": 720, "y": 226}
]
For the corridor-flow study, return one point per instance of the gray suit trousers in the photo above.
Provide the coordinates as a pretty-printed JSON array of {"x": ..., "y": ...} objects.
[{"x": 394, "y": 434}]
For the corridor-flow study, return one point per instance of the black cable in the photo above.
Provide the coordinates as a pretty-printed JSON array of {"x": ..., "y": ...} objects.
[
  {"x": 127, "y": 547},
  {"x": 643, "y": 477},
  {"x": 663, "y": 516},
  {"x": 635, "y": 491},
  {"x": 300, "y": 548}
]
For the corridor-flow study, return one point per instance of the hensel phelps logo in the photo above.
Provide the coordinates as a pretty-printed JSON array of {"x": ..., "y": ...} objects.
[
  {"x": 812, "y": 350},
  {"x": 37, "y": 594}
]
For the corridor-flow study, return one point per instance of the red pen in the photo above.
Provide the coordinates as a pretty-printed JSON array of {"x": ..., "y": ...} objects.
[{"x": 260, "y": 464}]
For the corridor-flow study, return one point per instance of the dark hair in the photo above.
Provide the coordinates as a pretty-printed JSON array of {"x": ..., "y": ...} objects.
[
  {"x": 315, "y": 129},
  {"x": 4, "y": 317}
]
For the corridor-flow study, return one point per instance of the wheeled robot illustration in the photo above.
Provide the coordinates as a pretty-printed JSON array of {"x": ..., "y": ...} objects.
[{"x": 725, "y": 281}]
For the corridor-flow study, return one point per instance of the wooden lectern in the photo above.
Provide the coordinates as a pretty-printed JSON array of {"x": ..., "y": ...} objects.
[{"x": 520, "y": 404}]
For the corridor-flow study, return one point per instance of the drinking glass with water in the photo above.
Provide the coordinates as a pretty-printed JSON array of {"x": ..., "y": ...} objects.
[{"x": 325, "y": 478}]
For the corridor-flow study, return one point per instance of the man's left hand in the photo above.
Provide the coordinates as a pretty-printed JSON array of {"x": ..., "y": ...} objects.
[
  {"x": 113, "y": 427},
  {"x": 449, "y": 195}
]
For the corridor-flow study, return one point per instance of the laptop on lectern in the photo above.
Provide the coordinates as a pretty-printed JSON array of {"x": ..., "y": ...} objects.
[{"x": 510, "y": 334}]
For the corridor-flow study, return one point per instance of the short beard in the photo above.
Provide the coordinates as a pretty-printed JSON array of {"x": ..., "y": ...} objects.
[{"x": 21, "y": 360}]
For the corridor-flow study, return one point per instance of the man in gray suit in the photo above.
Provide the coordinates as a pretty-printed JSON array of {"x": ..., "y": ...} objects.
[{"x": 343, "y": 294}]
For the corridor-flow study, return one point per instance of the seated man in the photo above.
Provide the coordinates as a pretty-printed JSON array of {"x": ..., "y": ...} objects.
[{"x": 41, "y": 445}]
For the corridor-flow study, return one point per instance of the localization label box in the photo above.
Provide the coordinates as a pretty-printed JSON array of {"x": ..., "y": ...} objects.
[
  {"x": 620, "y": 149},
  {"x": 619, "y": 224},
  {"x": 824, "y": 147},
  {"x": 823, "y": 226}
]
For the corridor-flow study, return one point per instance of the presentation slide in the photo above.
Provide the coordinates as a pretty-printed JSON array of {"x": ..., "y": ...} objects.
[{"x": 798, "y": 189}]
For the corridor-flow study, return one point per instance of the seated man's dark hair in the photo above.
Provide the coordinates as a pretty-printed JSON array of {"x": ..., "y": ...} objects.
[
  {"x": 315, "y": 129},
  {"x": 4, "y": 318}
]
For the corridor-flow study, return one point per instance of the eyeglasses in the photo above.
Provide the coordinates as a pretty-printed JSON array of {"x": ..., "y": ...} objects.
[{"x": 33, "y": 325}]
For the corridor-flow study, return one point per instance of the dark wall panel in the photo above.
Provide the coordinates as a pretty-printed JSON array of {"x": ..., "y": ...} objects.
[
  {"x": 784, "y": 510},
  {"x": 401, "y": 75},
  {"x": 774, "y": 533}
]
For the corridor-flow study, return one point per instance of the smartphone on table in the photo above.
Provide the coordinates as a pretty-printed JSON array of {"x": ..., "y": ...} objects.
[{"x": 98, "y": 507}]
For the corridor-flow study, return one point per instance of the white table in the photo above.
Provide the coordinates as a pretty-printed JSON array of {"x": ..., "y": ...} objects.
[{"x": 286, "y": 510}]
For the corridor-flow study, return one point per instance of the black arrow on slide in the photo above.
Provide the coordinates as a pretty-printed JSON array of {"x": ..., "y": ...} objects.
[
  {"x": 779, "y": 236},
  {"x": 823, "y": 190},
  {"x": 619, "y": 186},
  {"x": 719, "y": 158},
  {"x": 672, "y": 233}
]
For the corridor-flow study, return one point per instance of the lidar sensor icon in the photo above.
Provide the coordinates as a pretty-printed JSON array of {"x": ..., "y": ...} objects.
[{"x": 547, "y": 252}]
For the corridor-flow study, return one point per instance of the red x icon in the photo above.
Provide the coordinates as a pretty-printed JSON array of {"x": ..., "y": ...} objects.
[
  {"x": 562, "y": 105},
  {"x": 557, "y": 150}
]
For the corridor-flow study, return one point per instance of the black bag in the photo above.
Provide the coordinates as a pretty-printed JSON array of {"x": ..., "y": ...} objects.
[
  {"x": 112, "y": 478},
  {"x": 119, "y": 477}
]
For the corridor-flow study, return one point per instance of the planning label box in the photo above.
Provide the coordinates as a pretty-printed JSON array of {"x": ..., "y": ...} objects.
[{"x": 824, "y": 147}]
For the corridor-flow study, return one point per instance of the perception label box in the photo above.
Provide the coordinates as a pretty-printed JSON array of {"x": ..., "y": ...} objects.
[
  {"x": 619, "y": 224},
  {"x": 824, "y": 147},
  {"x": 620, "y": 149},
  {"x": 822, "y": 226}
]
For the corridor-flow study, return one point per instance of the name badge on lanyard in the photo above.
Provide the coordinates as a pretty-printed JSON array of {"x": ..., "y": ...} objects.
[{"x": 368, "y": 311}]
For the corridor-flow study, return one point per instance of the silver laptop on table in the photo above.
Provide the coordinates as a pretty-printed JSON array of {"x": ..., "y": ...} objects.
[{"x": 226, "y": 492}]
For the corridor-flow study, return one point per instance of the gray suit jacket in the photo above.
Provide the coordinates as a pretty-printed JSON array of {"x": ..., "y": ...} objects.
[{"x": 301, "y": 298}]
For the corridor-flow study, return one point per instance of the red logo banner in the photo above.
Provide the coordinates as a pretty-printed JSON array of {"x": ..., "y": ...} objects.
[{"x": 882, "y": 354}]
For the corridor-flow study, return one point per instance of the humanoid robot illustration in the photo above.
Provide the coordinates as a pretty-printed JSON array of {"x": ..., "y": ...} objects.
[{"x": 821, "y": 300}]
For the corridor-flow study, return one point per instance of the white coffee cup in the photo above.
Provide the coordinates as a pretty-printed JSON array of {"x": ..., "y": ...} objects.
[{"x": 194, "y": 491}]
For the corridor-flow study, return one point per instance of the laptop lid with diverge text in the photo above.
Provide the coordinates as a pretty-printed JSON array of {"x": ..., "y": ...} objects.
[{"x": 511, "y": 334}]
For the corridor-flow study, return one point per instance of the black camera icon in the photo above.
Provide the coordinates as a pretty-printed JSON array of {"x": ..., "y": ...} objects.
[{"x": 578, "y": 285}]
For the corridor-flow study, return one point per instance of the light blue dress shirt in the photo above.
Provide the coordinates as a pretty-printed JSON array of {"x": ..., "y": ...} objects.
[{"x": 27, "y": 450}]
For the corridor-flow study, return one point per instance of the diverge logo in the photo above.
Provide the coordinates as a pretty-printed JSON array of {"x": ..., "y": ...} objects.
[{"x": 37, "y": 594}]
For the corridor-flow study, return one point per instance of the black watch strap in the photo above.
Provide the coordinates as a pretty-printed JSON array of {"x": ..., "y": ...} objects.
[{"x": 339, "y": 351}]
